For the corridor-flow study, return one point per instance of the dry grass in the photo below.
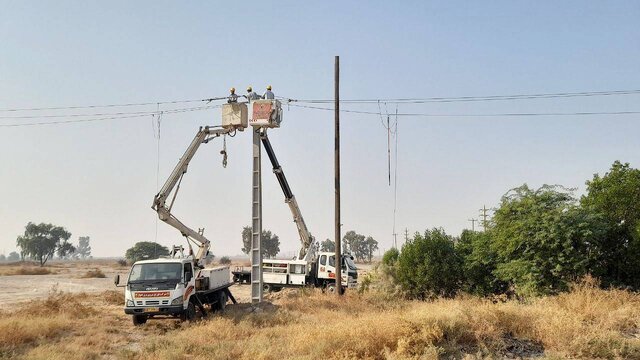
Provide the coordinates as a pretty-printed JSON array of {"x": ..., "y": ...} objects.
[
  {"x": 585, "y": 323},
  {"x": 95, "y": 273},
  {"x": 26, "y": 270}
]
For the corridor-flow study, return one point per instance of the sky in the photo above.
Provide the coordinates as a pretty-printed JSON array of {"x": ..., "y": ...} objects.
[{"x": 98, "y": 178}]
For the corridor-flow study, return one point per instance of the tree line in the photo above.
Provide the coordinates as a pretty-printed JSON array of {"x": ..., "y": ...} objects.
[
  {"x": 538, "y": 242},
  {"x": 40, "y": 242}
]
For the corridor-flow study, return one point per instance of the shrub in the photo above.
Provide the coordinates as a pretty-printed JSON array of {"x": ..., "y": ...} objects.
[
  {"x": 428, "y": 266},
  {"x": 225, "y": 260},
  {"x": 122, "y": 262},
  {"x": 96, "y": 273},
  {"x": 390, "y": 257}
]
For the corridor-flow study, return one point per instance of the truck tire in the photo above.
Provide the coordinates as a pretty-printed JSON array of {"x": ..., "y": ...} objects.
[
  {"x": 222, "y": 301},
  {"x": 236, "y": 279},
  {"x": 266, "y": 288},
  {"x": 189, "y": 313},
  {"x": 139, "y": 320},
  {"x": 331, "y": 288}
]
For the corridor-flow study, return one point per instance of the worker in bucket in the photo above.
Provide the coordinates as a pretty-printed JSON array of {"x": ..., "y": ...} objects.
[
  {"x": 233, "y": 98},
  {"x": 268, "y": 94},
  {"x": 251, "y": 95}
]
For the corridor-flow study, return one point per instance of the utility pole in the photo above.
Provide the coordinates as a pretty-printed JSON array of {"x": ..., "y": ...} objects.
[
  {"x": 483, "y": 214},
  {"x": 256, "y": 222},
  {"x": 406, "y": 235},
  {"x": 473, "y": 224},
  {"x": 337, "y": 175}
]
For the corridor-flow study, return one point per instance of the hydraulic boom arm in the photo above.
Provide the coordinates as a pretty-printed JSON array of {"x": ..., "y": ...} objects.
[
  {"x": 203, "y": 136},
  {"x": 308, "y": 250}
]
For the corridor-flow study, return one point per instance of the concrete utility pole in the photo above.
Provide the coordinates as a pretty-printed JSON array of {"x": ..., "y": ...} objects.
[
  {"x": 483, "y": 214},
  {"x": 337, "y": 179},
  {"x": 473, "y": 224},
  {"x": 256, "y": 222},
  {"x": 406, "y": 235}
]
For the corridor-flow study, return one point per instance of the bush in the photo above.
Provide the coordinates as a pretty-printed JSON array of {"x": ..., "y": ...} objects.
[
  {"x": 428, "y": 266},
  {"x": 390, "y": 257},
  {"x": 122, "y": 262},
  {"x": 225, "y": 260},
  {"x": 96, "y": 273}
]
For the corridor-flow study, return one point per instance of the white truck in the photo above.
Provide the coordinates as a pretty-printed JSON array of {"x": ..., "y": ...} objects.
[
  {"x": 310, "y": 268},
  {"x": 179, "y": 285}
]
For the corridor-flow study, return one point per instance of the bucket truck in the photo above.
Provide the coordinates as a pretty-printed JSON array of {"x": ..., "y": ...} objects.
[{"x": 180, "y": 285}]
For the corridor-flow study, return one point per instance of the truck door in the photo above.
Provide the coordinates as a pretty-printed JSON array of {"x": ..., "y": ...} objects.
[{"x": 323, "y": 270}]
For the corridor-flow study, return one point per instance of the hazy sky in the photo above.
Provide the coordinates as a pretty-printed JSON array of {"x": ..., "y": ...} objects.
[{"x": 98, "y": 178}]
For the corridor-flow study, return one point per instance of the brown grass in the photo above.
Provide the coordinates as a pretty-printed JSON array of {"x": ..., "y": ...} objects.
[
  {"x": 95, "y": 273},
  {"x": 585, "y": 323},
  {"x": 26, "y": 270}
]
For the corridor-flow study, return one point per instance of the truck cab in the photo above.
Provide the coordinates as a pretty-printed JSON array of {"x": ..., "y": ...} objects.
[
  {"x": 325, "y": 271},
  {"x": 172, "y": 287}
]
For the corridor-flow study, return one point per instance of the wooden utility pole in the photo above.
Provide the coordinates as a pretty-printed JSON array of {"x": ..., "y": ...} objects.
[
  {"x": 473, "y": 224},
  {"x": 337, "y": 175}
]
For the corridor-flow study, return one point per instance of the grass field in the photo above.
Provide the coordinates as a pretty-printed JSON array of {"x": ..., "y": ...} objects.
[{"x": 585, "y": 323}]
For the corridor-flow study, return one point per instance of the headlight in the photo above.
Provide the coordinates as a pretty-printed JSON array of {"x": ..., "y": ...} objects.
[
  {"x": 130, "y": 303},
  {"x": 177, "y": 301}
]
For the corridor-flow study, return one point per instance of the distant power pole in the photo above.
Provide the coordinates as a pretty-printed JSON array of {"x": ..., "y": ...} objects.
[
  {"x": 337, "y": 174},
  {"x": 483, "y": 215},
  {"x": 473, "y": 224},
  {"x": 406, "y": 234}
]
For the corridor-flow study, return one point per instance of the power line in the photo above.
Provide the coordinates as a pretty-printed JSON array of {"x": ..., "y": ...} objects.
[
  {"x": 117, "y": 117},
  {"x": 108, "y": 105},
  {"x": 473, "y": 98},
  {"x": 476, "y": 115},
  {"x": 104, "y": 114}
]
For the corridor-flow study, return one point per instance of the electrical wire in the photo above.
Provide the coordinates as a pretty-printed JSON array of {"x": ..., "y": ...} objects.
[
  {"x": 109, "y": 105},
  {"x": 471, "y": 98},
  {"x": 475, "y": 115}
]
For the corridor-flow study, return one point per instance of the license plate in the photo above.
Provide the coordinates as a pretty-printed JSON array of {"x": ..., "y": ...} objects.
[{"x": 151, "y": 309}]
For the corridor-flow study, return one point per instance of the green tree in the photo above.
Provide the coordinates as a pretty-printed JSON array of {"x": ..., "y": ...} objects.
[
  {"x": 84, "y": 249},
  {"x": 616, "y": 198},
  {"x": 480, "y": 261},
  {"x": 354, "y": 243},
  {"x": 2, "y": 257},
  {"x": 225, "y": 260},
  {"x": 542, "y": 240},
  {"x": 270, "y": 242},
  {"x": 41, "y": 241},
  {"x": 390, "y": 257},
  {"x": 145, "y": 250},
  {"x": 13, "y": 256},
  {"x": 65, "y": 250},
  {"x": 370, "y": 246},
  {"x": 328, "y": 245},
  {"x": 428, "y": 266}
]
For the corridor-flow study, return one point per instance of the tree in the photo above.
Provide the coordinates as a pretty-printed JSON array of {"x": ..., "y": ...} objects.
[
  {"x": 328, "y": 245},
  {"x": 428, "y": 266},
  {"x": 84, "y": 249},
  {"x": 65, "y": 250},
  {"x": 369, "y": 246},
  {"x": 479, "y": 262},
  {"x": 542, "y": 240},
  {"x": 616, "y": 197},
  {"x": 2, "y": 257},
  {"x": 270, "y": 242},
  {"x": 145, "y": 250},
  {"x": 390, "y": 257},
  {"x": 41, "y": 241},
  {"x": 225, "y": 260},
  {"x": 354, "y": 243},
  {"x": 13, "y": 256}
]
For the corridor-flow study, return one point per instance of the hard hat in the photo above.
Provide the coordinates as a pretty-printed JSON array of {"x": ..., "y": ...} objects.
[
  {"x": 249, "y": 88},
  {"x": 268, "y": 87},
  {"x": 232, "y": 90}
]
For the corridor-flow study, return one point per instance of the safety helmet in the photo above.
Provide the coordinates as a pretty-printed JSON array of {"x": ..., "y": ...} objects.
[
  {"x": 233, "y": 90},
  {"x": 249, "y": 89},
  {"x": 268, "y": 87}
]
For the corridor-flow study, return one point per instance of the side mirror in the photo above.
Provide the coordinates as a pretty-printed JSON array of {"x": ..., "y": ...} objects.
[{"x": 116, "y": 280}]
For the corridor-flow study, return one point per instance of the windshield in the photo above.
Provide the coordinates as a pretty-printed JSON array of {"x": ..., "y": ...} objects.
[
  {"x": 157, "y": 271},
  {"x": 350, "y": 263}
]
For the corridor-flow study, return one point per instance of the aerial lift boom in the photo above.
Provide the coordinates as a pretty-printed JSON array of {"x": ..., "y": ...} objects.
[
  {"x": 308, "y": 250},
  {"x": 203, "y": 136}
]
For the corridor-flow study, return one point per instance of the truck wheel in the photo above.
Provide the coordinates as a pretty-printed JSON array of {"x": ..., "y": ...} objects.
[
  {"x": 276, "y": 288},
  {"x": 266, "y": 288},
  {"x": 331, "y": 288},
  {"x": 222, "y": 301},
  {"x": 139, "y": 319},
  {"x": 190, "y": 313},
  {"x": 236, "y": 279}
]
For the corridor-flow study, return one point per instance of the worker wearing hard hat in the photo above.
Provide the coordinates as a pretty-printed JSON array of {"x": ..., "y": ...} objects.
[
  {"x": 268, "y": 94},
  {"x": 233, "y": 98},
  {"x": 251, "y": 95}
]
